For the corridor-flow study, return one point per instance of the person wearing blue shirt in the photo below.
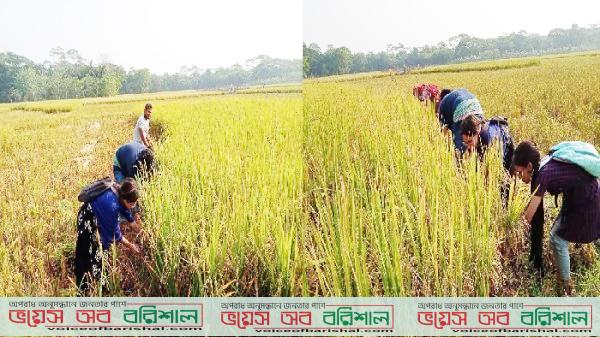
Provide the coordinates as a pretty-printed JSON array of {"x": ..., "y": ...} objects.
[
  {"x": 453, "y": 108},
  {"x": 130, "y": 158},
  {"x": 101, "y": 215},
  {"x": 478, "y": 135}
]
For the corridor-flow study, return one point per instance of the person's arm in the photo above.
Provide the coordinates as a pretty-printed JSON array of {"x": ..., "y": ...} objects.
[
  {"x": 118, "y": 237},
  {"x": 130, "y": 245},
  {"x": 445, "y": 129},
  {"x": 534, "y": 203},
  {"x": 145, "y": 140},
  {"x": 133, "y": 220},
  {"x": 137, "y": 224}
]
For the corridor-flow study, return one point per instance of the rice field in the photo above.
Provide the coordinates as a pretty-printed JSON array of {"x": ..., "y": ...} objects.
[
  {"x": 480, "y": 66},
  {"x": 224, "y": 210},
  {"x": 395, "y": 214},
  {"x": 392, "y": 214},
  {"x": 345, "y": 189},
  {"x": 224, "y": 206},
  {"x": 46, "y": 159}
]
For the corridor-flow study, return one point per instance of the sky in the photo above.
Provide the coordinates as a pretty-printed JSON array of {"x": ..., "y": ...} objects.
[
  {"x": 371, "y": 25},
  {"x": 159, "y": 35}
]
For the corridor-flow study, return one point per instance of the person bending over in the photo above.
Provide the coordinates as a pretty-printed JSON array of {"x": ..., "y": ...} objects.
[
  {"x": 99, "y": 217},
  {"x": 571, "y": 169},
  {"x": 131, "y": 159}
]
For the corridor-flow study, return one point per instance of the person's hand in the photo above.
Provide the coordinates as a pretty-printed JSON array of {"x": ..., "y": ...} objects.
[
  {"x": 136, "y": 228},
  {"x": 135, "y": 248},
  {"x": 470, "y": 149},
  {"x": 130, "y": 245},
  {"x": 445, "y": 130},
  {"x": 138, "y": 219}
]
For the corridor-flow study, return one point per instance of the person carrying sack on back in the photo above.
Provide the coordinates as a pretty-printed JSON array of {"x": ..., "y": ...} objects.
[
  {"x": 141, "y": 132},
  {"x": 98, "y": 227},
  {"x": 453, "y": 108},
  {"x": 571, "y": 169},
  {"x": 131, "y": 159}
]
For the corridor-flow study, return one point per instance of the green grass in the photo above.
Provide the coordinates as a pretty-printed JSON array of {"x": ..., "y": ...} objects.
[
  {"x": 157, "y": 96},
  {"x": 280, "y": 89}
]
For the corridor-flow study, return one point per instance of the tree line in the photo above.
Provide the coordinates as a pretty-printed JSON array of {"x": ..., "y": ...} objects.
[
  {"x": 68, "y": 75},
  {"x": 460, "y": 48}
]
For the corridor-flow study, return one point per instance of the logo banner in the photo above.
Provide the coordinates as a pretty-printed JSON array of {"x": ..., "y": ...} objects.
[{"x": 299, "y": 316}]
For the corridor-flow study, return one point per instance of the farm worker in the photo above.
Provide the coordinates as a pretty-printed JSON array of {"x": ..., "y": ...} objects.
[
  {"x": 433, "y": 93},
  {"x": 443, "y": 94},
  {"x": 141, "y": 132},
  {"x": 130, "y": 158},
  {"x": 479, "y": 134},
  {"x": 103, "y": 201},
  {"x": 419, "y": 91},
  {"x": 571, "y": 168},
  {"x": 416, "y": 90},
  {"x": 425, "y": 94},
  {"x": 455, "y": 106}
]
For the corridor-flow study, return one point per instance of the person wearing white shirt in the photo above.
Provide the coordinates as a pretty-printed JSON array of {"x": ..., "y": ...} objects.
[{"x": 142, "y": 127}]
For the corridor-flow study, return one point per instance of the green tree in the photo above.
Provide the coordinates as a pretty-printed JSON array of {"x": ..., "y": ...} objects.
[{"x": 137, "y": 81}]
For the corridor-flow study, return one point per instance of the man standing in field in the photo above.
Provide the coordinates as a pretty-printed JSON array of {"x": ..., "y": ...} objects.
[{"x": 141, "y": 133}]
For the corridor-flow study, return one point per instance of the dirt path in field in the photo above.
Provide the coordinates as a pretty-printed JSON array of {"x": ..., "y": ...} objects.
[
  {"x": 90, "y": 132},
  {"x": 129, "y": 274},
  {"x": 86, "y": 150},
  {"x": 137, "y": 273}
]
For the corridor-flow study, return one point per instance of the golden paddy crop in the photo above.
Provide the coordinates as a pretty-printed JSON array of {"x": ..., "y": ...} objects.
[
  {"x": 347, "y": 189},
  {"x": 391, "y": 211},
  {"x": 224, "y": 206}
]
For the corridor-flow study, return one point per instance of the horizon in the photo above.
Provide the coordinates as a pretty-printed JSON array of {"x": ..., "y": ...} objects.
[
  {"x": 325, "y": 47},
  {"x": 179, "y": 71}
]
